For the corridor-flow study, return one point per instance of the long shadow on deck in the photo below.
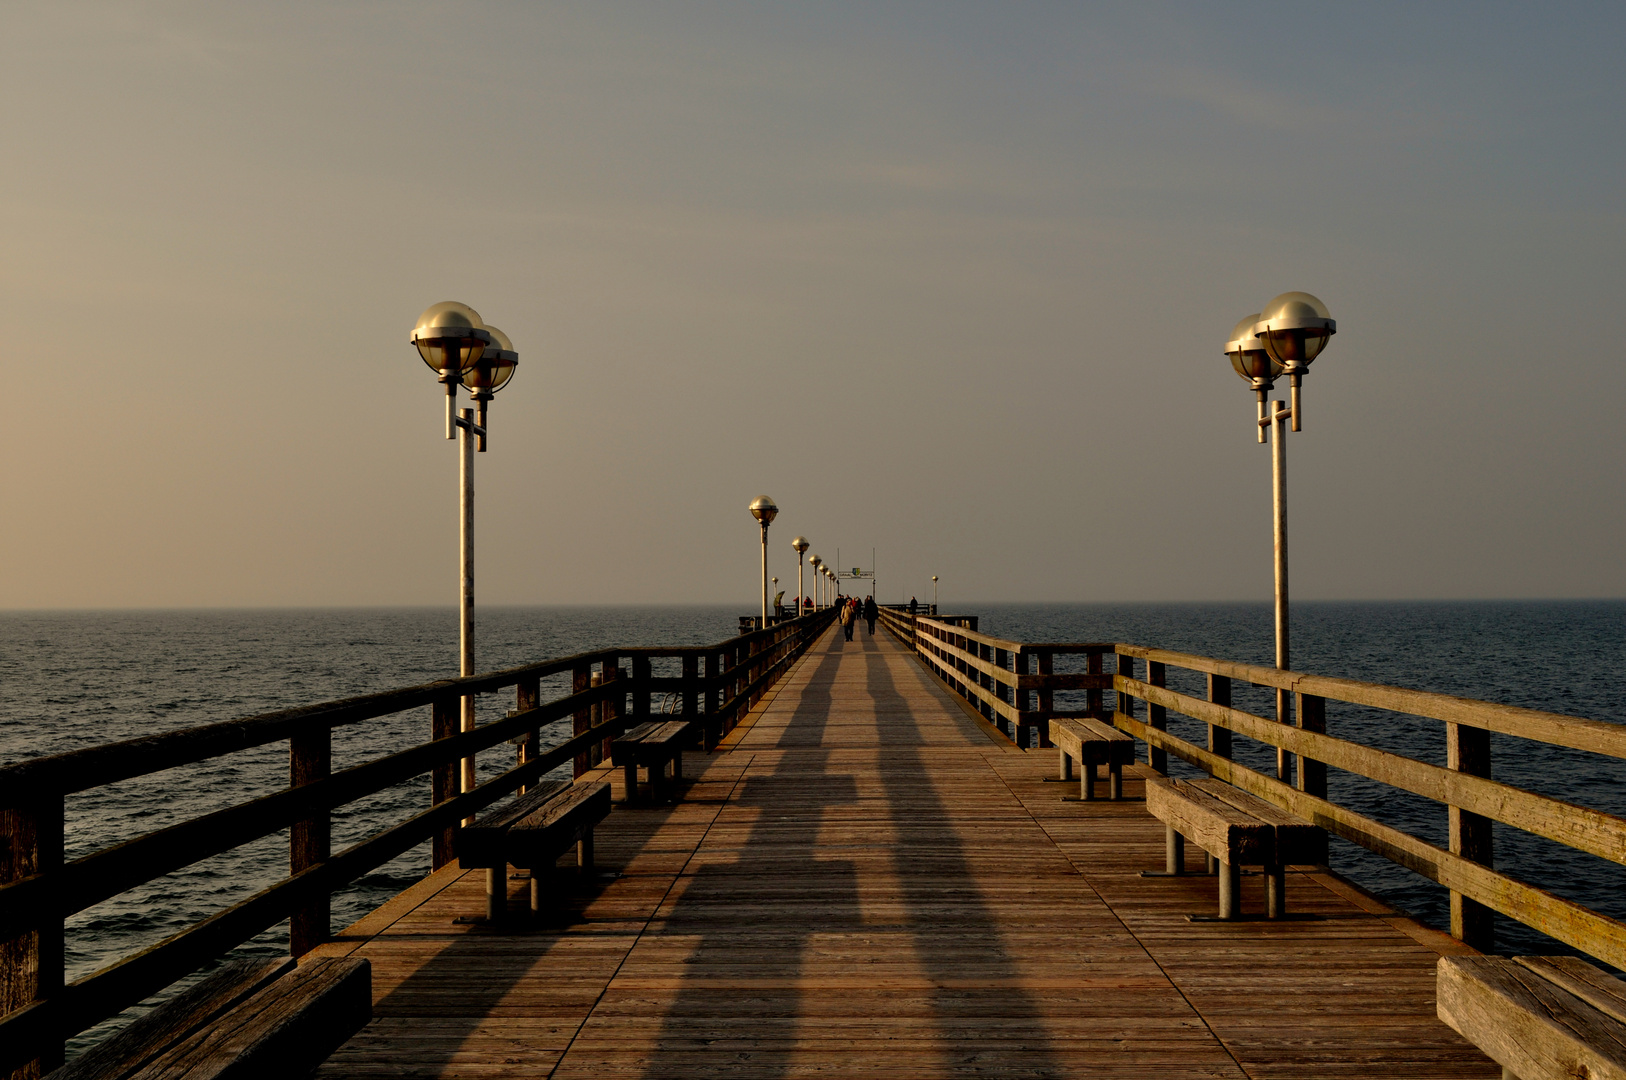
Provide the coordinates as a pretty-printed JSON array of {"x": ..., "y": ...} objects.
[{"x": 781, "y": 916}]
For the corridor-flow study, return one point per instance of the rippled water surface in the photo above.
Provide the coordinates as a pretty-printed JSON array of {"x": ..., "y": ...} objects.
[{"x": 70, "y": 680}]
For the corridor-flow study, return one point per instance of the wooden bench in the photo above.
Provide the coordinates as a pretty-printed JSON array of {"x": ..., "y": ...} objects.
[
  {"x": 654, "y": 746},
  {"x": 531, "y": 833},
  {"x": 251, "y": 1018},
  {"x": 1091, "y": 743},
  {"x": 1236, "y": 829},
  {"x": 1539, "y": 1017}
]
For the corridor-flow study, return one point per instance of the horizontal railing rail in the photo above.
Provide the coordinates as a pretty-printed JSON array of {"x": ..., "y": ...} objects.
[
  {"x": 39, "y": 890},
  {"x": 993, "y": 675}
]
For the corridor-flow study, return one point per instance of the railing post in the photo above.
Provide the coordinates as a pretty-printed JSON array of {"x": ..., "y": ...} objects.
[
  {"x": 583, "y": 677},
  {"x": 31, "y": 963},
  {"x": 1219, "y": 738},
  {"x": 640, "y": 687},
  {"x": 691, "y": 685},
  {"x": 714, "y": 701},
  {"x": 1095, "y": 702},
  {"x": 1157, "y": 717},
  {"x": 1047, "y": 696},
  {"x": 445, "y": 716},
  {"x": 1019, "y": 698},
  {"x": 528, "y": 696},
  {"x": 611, "y": 710},
  {"x": 1312, "y": 714},
  {"x": 1467, "y": 750},
  {"x": 310, "y": 841}
]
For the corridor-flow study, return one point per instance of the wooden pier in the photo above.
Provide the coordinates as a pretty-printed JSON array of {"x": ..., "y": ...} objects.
[{"x": 867, "y": 879}]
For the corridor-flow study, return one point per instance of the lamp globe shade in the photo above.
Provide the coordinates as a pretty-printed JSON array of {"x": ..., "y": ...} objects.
[
  {"x": 799, "y": 544},
  {"x": 763, "y": 509},
  {"x": 1248, "y": 355},
  {"x": 1294, "y": 328},
  {"x": 450, "y": 336},
  {"x": 495, "y": 367}
]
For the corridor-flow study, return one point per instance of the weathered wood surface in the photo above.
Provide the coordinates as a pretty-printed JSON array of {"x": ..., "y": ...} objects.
[
  {"x": 866, "y": 881},
  {"x": 285, "y": 1030},
  {"x": 151, "y": 1035},
  {"x": 1213, "y": 824},
  {"x": 1536, "y": 1028},
  {"x": 484, "y": 843}
]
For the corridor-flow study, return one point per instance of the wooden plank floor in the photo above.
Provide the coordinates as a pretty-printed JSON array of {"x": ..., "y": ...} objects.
[{"x": 864, "y": 882}]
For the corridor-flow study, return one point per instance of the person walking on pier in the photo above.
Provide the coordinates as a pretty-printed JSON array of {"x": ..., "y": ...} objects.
[
  {"x": 847, "y": 618},
  {"x": 913, "y": 607},
  {"x": 871, "y": 613}
]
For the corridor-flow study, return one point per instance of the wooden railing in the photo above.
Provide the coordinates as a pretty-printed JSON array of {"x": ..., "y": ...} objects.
[
  {"x": 716, "y": 686},
  {"x": 994, "y": 676}
]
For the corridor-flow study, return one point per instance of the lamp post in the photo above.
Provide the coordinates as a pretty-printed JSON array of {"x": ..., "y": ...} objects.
[
  {"x": 818, "y": 581},
  {"x": 457, "y": 344},
  {"x": 934, "y": 596},
  {"x": 763, "y": 509},
  {"x": 1283, "y": 339},
  {"x": 799, "y": 545}
]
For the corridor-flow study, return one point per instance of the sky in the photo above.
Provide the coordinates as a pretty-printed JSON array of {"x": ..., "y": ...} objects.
[{"x": 947, "y": 281}]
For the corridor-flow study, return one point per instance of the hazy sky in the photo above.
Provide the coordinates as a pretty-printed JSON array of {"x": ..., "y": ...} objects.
[{"x": 945, "y": 280}]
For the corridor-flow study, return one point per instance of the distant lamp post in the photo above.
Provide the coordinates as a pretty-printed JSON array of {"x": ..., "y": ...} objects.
[
  {"x": 457, "y": 344},
  {"x": 818, "y": 581},
  {"x": 799, "y": 545},
  {"x": 1283, "y": 339},
  {"x": 763, "y": 509},
  {"x": 934, "y": 596}
]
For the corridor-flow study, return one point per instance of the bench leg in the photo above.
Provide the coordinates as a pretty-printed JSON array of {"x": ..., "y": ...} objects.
[
  {"x": 1174, "y": 851},
  {"x": 1086, "y": 781},
  {"x": 1230, "y": 890},
  {"x": 1064, "y": 766},
  {"x": 539, "y": 887},
  {"x": 1275, "y": 891},
  {"x": 1116, "y": 772},
  {"x": 630, "y": 773},
  {"x": 584, "y": 851},
  {"x": 657, "y": 782},
  {"x": 1210, "y": 864},
  {"x": 677, "y": 775},
  {"x": 496, "y": 893}
]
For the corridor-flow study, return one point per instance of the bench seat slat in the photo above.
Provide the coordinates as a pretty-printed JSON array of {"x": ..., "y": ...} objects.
[
  {"x": 286, "y": 1029},
  {"x": 1533, "y": 1028},
  {"x": 1217, "y": 827},
  {"x": 480, "y": 845},
  {"x": 151, "y": 1035},
  {"x": 1296, "y": 839},
  {"x": 536, "y": 841},
  {"x": 1602, "y": 991}
]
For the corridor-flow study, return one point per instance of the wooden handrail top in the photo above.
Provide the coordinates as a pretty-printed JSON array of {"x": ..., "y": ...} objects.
[
  {"x": 1556, "y": 729},
  {"x": 94, "y": 766}
]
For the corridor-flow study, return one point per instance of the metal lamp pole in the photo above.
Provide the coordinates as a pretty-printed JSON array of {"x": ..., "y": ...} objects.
[
  {"x": 455, "y": 342},
  {"x": 799, "y": 545},
  {"x": 763, "y": 509},
  {"x": 1284, "y": 339},
  {"x": 818, "y": 581},
  {"x": 934, "y": 596}
]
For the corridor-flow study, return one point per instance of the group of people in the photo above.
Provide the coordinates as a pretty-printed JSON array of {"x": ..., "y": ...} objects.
[{"x": 852, "y": 610}]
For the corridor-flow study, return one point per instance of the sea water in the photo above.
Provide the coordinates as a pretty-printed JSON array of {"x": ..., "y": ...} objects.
[{"x": 75, "y": 679}]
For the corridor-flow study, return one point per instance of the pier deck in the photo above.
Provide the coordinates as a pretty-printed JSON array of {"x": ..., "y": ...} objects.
[{"x": 865, "y": 881}]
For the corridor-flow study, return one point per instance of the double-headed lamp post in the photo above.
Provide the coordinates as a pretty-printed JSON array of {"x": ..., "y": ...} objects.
[
  {"x": 763, "y": 509},
  {"x": 1283, "y": 339},
  {"x": 799, "y": 545},
  {"x": 463, "y": 351}
]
